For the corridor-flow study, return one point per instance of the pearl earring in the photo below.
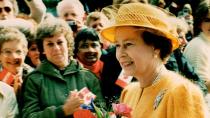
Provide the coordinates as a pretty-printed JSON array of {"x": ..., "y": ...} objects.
[{"x": 155, "y": 56}]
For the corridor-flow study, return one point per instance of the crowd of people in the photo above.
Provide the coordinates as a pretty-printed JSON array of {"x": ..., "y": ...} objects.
[{"x": 152, "y": 55}]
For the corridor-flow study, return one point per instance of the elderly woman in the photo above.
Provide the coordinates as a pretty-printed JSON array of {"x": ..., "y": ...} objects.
[
  {"x": 51, "y": 90},
  {"x": 143, "y": 43}
]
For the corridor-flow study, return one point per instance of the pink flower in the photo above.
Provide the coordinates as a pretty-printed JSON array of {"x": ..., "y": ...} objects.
[{"x": 122, "y": 109}]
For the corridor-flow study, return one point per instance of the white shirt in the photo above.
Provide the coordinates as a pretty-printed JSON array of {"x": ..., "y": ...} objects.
[
  {"x": 8, "y": 102},
  {"x": 197, "y": 53}
]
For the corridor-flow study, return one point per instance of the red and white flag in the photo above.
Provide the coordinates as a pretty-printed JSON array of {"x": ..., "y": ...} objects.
[
  {"x": 7, "y": 77},
  {"x": 123, "y": 80},
  {"x": 87, "y": 95}
]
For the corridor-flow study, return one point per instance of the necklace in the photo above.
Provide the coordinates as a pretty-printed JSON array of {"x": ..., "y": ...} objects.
[{"x": 158, "y": 75}]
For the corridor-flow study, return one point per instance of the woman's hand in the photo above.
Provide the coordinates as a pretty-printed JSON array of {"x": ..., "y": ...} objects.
[
  {"x": 72, "y": 103},
  {"x": 17, "y": 83}
]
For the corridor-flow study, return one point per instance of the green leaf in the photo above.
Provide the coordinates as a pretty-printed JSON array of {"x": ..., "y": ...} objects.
[{"x": 99, "y": 113}]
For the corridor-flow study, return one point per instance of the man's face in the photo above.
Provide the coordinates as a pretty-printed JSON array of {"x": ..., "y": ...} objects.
[{"x": 72, "y": 13}]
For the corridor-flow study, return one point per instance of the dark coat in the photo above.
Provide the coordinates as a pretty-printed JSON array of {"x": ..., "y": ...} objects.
[
  {"x": 47, "y": 88},
  {"x": 110, "y": 73},
  {"x": 177, "y": 62}
]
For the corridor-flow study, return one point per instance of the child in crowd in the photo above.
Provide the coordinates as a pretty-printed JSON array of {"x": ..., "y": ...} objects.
[
  {"x": 98, "y": 21},
  {"x": 88, "y": 50}
]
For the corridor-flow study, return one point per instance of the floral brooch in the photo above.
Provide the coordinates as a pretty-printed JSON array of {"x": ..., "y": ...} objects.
[{"x": 158, "y": 98}]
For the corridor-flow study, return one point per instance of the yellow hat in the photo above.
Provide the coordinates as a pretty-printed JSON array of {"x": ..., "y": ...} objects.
[{"x": 144, "y": 16}]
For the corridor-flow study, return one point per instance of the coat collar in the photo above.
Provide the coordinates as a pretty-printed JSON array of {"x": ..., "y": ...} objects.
[{"x": 50, "y": 69}]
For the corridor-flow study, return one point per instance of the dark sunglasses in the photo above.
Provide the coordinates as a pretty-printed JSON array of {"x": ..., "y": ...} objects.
[{"x": 6, "y": 9}]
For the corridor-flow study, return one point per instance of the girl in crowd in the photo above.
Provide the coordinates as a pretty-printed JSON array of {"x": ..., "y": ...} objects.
[{"x": 33, "y": 55}]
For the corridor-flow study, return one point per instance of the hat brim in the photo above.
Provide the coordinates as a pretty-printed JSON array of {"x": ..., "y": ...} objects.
[{"x": 109, "y": 33}]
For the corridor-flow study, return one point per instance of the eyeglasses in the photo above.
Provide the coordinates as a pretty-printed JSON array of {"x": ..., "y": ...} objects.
[
  {"x": 6, "y": 9},
  {"x": 9, "y": 52}
]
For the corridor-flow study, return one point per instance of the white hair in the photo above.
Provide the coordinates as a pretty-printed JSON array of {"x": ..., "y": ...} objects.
[{"x": 70, "y": 3}]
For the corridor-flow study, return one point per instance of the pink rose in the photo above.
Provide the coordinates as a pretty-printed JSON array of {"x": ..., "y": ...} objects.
[{"x": 122, "y": 109}]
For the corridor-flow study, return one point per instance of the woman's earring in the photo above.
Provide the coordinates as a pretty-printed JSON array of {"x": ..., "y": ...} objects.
[
  {"x": 156, "y": 52},
  {"x": 155, "y": 56}
]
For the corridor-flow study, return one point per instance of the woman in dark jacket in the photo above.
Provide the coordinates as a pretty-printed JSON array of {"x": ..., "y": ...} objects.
[{"x": 51, "y": 90}]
